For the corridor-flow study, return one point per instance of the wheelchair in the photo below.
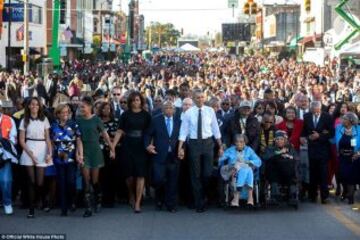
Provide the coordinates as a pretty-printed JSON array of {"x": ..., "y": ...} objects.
[
  {"x": 228, "y": 188},
  {"x": 285, "y": 191}
]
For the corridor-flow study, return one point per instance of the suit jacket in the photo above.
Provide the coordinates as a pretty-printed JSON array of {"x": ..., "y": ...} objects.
[
  {"x": 158, "y": 135},
  {"x": 252, "y": 130},
  {"x": 319, "y": 148}
]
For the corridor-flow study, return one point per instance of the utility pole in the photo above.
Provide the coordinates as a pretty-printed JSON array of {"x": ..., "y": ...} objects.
[
  {"x": 8, "y": 56},
  {"x": 26, "y": 37},
  {"x": 83, "y": 25}
]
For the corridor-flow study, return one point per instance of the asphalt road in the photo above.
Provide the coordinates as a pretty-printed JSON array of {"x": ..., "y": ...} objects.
[{"x": 312, "y": 221}]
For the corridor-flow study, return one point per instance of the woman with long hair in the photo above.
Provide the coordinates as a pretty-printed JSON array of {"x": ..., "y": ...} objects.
[
  {"x": 133, "y": 123},
  {"x": 108, "y": 176},
  {"x": 91, "y": 128},
  {"x": 35, "y": 141}
]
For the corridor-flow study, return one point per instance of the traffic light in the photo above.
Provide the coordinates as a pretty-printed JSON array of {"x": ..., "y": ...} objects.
[
  {"x": 308, "y": 5},
  {"x": 247, "y": 8},
  {"x": 254, "y": 8}
]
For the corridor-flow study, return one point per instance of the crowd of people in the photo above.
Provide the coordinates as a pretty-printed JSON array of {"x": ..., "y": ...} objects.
[{"x": 178, "y": 127}]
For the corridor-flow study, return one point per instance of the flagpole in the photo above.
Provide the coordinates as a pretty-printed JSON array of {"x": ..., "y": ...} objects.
[{"x": 26, "y": 37}]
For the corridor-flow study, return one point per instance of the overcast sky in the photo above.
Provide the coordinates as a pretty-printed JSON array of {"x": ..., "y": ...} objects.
[{"x": 194, "y": 16}]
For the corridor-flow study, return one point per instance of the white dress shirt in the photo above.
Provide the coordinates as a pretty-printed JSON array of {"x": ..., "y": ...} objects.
[{"x": 209, "y": 124}]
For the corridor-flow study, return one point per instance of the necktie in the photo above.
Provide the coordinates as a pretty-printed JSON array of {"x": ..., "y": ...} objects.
[
  {"x": 316, "y": 121},
  {"x": 199, "y": 127},
  {"x": 117, "y": 111},
  {"x": 168, "y": 127}
]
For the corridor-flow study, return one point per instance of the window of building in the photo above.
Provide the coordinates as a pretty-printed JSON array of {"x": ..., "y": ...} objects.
[
  {"x": 62, "y": 11},
  {"x": 36, "y": 14}
]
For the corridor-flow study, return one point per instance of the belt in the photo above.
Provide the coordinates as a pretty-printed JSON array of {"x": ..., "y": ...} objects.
[
  {"x": 134, "y": 134},
  {"x": 37, "y": 140},
  {"x": 204, "y": 139}
]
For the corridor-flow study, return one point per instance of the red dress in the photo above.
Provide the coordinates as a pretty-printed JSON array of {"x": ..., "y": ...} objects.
[{"x": 295, "y": 133}]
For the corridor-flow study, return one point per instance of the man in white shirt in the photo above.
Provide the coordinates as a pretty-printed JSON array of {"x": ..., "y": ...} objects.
[{"x": 200, "y": 125}]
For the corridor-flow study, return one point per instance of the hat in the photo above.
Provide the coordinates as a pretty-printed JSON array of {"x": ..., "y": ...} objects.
[
  {"x": 6, "y": 104},
  {"x": 280, "y": 133},
  {"x": 245, "y": 104}
]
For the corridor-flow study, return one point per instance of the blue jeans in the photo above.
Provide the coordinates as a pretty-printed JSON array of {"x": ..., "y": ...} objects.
[{"x": 5, "y": 183}]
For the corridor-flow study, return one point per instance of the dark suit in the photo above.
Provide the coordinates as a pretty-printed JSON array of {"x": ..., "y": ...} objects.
[
  {"x": 252, "y": 130},
  {"x": 165, "y": 163},
  {"x": 319, "y": 152}
]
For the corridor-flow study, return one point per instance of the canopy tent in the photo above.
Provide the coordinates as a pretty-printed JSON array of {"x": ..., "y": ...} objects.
[
  {"x": 351, "y": 49},
  {"x": 190, "y": 48}
]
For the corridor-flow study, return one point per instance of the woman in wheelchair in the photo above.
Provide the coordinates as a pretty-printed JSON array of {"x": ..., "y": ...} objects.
[
  {"x": 237, "y": 165},
  {"x": 281, "y": 162}
]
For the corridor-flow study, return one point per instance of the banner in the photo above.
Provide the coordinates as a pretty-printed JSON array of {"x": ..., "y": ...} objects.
[
  {"x": 17, "y": 12},
  {"x": 270, "y": 26},
  {"x": 1, "y": 17}
]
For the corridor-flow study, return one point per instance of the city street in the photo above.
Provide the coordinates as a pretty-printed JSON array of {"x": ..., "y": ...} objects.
[{"x": 333, "y": 221}]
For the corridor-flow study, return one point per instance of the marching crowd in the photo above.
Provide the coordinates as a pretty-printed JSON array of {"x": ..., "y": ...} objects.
[{"x": 178, "y": 127}]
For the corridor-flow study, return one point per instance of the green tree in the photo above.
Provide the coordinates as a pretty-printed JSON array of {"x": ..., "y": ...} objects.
[{"x": 162, "y": 34}]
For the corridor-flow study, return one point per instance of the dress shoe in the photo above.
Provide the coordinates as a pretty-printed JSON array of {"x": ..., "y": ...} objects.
[
  {"x": 200, "y": 210},
  {"x": 324, "y": 201},
  {"x": 31, "y": 213},
  {"x": 172, "y": 210}
]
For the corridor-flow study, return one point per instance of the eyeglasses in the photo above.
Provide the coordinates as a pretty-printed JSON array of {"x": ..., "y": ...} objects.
[{"x": 116, "y": 94}]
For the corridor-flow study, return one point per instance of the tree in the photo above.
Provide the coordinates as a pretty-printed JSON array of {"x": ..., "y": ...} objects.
[{"x": 162, "y": 34}]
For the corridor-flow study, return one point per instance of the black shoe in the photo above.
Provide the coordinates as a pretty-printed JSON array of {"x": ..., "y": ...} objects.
[
  {"x": 137, "y": 211},
  {"x": 200, "y": 210},
  {"x": 87, "y": 213},
  {"x": 324, "y": 201},
  {"x": 172, "y": 210},
  {"x": 159, "y": 206},
  {"x": 31, "y": 213}
]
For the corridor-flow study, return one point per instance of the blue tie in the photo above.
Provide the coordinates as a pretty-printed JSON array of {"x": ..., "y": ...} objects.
[{"x": 168, "y": 126}]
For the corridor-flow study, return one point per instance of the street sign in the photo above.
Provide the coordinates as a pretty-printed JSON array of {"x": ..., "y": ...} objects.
[{"x": 233, "y": 3}]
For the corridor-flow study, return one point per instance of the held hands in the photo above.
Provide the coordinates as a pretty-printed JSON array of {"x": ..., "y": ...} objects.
[
  {"x": 48, "y": 159},
  {"x": 151, "y": 149},
  {"x": 303, "y": 141},
  {"x": 181, "y": 154},
  {"x": 80, "y": 160},
  {"x": 221, "y": 151}
]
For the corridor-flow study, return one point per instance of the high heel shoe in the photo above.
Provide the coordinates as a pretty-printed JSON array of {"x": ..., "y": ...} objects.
[{"x": 31, "y": 213}]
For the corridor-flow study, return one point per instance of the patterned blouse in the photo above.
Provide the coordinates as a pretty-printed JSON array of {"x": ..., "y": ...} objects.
[
  {"x": 64, "y": 139},
  {"x": 111, "y": 127}
]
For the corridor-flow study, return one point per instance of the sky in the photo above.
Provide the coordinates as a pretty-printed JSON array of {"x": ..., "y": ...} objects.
[{"x": 196, "y": 17}]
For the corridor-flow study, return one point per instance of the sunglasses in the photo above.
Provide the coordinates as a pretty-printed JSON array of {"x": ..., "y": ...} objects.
[
  {"x": 225, "y": 104},
  {"x": 123, "y": 102}
]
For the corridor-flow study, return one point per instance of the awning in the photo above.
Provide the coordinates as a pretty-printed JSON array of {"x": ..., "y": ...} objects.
[
  {"x": 307, "y": 39},
  {"x": 309, "y": 19},
  {"x": 294, "y": 42}
]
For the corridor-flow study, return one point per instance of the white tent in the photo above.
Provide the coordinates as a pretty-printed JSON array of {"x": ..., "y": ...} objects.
[
  {"x": 190, "y": 48},
  {"x": 352, "y": 49}
]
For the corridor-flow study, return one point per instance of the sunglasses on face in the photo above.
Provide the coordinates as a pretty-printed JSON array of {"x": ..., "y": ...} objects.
[
  {"x": 123, "y": 102},
  {"x": 227, "y": 104}
]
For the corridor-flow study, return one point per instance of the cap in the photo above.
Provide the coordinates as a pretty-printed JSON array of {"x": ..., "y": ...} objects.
[
  {"x": 280, "y": 133},
  {"x": 245, "y": 104}
]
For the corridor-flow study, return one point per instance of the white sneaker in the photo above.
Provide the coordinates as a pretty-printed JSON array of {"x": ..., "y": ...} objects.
[{"x": 8, "y": 210}]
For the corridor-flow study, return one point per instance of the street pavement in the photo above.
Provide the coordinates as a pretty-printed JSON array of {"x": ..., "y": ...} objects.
[{"x": 336, "y": 221}]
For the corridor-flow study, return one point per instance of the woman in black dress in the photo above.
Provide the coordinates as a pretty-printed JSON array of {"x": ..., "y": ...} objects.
[
  {"x": 133, "y": 123},
  {"x": 108, "y": 175}
]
